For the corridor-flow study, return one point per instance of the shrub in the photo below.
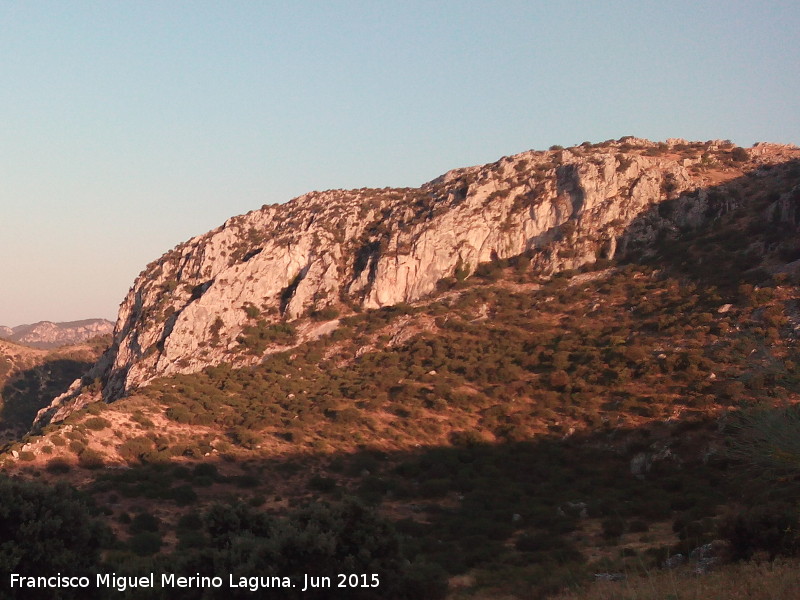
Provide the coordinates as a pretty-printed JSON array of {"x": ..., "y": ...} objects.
[
  {"x": 97, "y": 423},
  {"x": 739, "y": 154},
  {"x": 246, "y": 438},
  {"x": 135, "y": 448},
  {"x": 146, "y": 543},
  {"x": 183, "y": 495},
  {"x": 257, "y": 338},
  {"x": 466, "y": 438},
  {"x": 47, "y": 530},
  {"x": 190, "y": 522},
  {"x": 768, "y": 439},
  {"x": 76, "y": 446},
  {"x": 90, "y": 459},
  {"x": 215, "y": 328},
  {"x": 559, "y": 380},
  {"x": 189, "y": 540},
  {"x": 325, "y": 314},
  {"x": 58, "y": 465},
  {"x": 205, "y": 470},
  {"x": 343, "y": 538},
  {"x": 139, "y": 417},
  {"x": 772, "y": 528},
  {"x": 144, "y": 522},
  {"x": 180, "y": 414},
  {"x": 613, "y": 527},
  {"x": 251, "y": 311}
]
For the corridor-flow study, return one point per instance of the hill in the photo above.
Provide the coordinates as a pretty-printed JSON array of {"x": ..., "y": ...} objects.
[
  {"x": 523, "y": 413},
  {"x": 229, "y": 295},
  {"x": 46, "y": 334}
]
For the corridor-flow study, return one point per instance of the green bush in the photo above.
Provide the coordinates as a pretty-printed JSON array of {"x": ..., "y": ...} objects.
[
  {"x": 347, "y": 538},
  {"x": 136, "y": 448},
  {"x": 256, "y": 338},
  {"x": 58, "y": 466},
  {"x": 190, "y": 522},
  {"x": 183, "y": 495},
  {"x": 246, "y": 438},
  {"x": 47, "y": 530},
  {"x": 739, "y": 154},
  {"x": 97, "y": 423},
  {"x": 139, "y": 417},
  {"x": 772, "y": 527},
  {"x": 325, "y": 314},
  {"x": 613, "y": 527},
  {"x": 767, "y": 439},
  {"x": 76, "y": 446},
  {"x": 205, "y": 470},
  {"x": 146, "y": 543},
  {"x": 144, "y": 522},
  {"x": 90, "y": 459}
]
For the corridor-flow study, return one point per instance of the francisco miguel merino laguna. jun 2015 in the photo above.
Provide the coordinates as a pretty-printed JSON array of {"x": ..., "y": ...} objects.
[{"x": 170, "y": 580}]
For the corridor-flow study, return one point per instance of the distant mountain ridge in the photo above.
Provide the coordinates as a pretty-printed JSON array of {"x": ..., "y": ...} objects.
[{"x": 47, "y": 334}]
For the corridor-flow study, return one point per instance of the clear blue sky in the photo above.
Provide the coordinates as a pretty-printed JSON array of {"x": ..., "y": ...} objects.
[{"x": 128, "y": 127}]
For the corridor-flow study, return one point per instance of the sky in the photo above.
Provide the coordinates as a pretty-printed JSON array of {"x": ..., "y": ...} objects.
[{"x": 127, "y": 127}]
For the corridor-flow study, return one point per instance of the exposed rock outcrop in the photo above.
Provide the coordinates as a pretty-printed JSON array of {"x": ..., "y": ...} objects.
[{"x": 197, "y": 304}]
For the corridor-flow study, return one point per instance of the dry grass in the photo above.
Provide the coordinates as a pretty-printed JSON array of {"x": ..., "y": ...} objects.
[{"x": 746, "y": 581}]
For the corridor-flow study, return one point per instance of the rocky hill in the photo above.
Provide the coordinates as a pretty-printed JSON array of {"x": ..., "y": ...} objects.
[
  {"x": 46, "y": 334},
  {"x": 616, "y": 392},
  {"x": 234, "y": 294}
]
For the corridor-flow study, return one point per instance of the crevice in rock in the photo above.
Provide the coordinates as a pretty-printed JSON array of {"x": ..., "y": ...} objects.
[
  {"x": 251, "y": 254},
  {"x": 287, "y": 293},
  {"x": 200, "y": 289},
  {"x": 363, "y": 258}
]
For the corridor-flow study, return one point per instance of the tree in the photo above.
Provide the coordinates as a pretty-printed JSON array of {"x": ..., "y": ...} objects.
[
  {"x": 318, "y": 540},
  {"x": 48, "y": 530},
  {"x": 739, "y": 154},
  {"x": 768, "y": 439}
]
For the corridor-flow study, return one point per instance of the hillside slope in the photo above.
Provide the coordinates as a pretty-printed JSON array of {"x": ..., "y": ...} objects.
[{"x": 30, "y": 377}]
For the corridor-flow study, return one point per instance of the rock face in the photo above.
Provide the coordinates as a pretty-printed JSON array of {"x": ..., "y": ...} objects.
[
  {"x": 46, "y": 334},
  {"x": 337, "y": 249}
]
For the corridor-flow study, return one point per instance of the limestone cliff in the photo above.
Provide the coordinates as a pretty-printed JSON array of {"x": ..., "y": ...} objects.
[{"x": 336, "y": 250}]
